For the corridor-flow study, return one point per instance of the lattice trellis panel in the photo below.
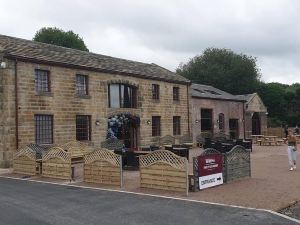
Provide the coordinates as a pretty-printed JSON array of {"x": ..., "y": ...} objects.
[
  {"x": 167, "y": 140},
  {"x": 238, "y": 163},
  {"x": 103, "y": 154},
  {"x": 163, "y": 156},
  {"x": 79, "y": 151},
  {"x": 25, "y": 151},
  {"x": 57, "y": 152},
  {"x": 112, "y": 144},
  {"x": 73, "y": 144},
  {"x": 186, "y": 139},
  {"x": 24, "y": 161}
]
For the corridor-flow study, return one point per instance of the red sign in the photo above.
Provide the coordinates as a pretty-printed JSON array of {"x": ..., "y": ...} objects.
[{"x": 210, "y": 164}]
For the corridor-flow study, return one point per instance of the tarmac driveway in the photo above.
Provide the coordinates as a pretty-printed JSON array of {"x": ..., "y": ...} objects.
[{"x": 24, "y": 202}]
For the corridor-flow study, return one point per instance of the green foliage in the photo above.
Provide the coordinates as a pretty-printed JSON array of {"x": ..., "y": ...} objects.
[
  {"x": 59, "y": 37},
  {"x": 223, "y": 69},
  {"x": 282, "y": 101}
]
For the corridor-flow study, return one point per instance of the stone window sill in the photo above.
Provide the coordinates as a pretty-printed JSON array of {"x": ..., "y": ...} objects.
[{"x": 48, "y": 94}]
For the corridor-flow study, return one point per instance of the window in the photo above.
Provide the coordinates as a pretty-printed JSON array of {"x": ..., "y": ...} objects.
[
  {"x": 81, "y": 84},
  {"x": 43, "y": 129},
  {"x": 206, "y": 119},
  {"x": 221, "y": 122},
  {"x": 42, "y": 81},
  {"x": 121, "y": 96},
  {"x": 176, "y": 125},
  {"x": 212, "y": 92},
  {"x": 176, "y": 93},
  {"x": 155, "y": 91},
  {"x": 155, "y": 126},
  {"x": 83, "y": 128}
]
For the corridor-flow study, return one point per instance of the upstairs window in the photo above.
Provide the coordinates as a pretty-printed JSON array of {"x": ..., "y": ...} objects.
[
  {"x": 42, "y": 81},
  {"x": 176, "y": 93},
  {"x": 176, "y": 125},
  {"x": 81, "y": 84},
  {"x": 121, "y": 96},
  {"x": 155, "y": 91}
]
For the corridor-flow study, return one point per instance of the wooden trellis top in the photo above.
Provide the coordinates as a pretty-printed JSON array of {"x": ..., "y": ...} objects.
[
  {"x": 103, "y": 154},
  {"x": 57, "y": 152},
  {"x": 163, "y": 156},
  {"x": 25, "y": 151}
]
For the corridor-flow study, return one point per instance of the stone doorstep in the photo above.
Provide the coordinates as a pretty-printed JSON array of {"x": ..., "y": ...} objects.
[{"x": 5, "y": 171}]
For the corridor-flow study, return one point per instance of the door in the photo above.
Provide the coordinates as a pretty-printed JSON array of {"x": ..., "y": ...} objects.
[
  {"x": 256, "y": 129},
  {"x": 234, "y": 128}
]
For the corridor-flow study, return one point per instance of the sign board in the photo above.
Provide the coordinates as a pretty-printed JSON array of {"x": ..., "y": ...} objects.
[{"x": 210, "y": 169}]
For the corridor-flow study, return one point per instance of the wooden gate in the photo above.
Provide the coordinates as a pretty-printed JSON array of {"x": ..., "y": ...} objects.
[
  {"x": 164, "y": 170},
  {"x": 104, "y": 167}
]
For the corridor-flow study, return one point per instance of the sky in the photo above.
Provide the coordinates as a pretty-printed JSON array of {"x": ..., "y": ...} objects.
[{"x": 170, "y": 32}]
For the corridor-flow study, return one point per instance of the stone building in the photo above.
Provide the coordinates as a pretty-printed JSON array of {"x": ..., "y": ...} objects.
[
  {"x": 256, "y": 114},
  {"x": 51, "y": 95},
  {"x": 215, "y": 111}
]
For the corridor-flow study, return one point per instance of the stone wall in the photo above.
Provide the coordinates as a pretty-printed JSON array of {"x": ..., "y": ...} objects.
[
  {"x": 230, "y": 109},
  {"x": 64, "y": 105},
  {"x": 7, "y": 115}
]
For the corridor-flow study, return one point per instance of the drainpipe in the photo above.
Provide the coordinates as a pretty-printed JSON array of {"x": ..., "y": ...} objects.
[
  {"x": 188, "y": 108},
  {"x": 16, "y": 104},
  {"x": 244, "y": 122}
]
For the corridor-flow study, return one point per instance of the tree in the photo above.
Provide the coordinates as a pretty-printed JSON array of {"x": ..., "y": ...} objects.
[
  {"x": 223, "y": 69},
  {"x": 59, "y": 37}
]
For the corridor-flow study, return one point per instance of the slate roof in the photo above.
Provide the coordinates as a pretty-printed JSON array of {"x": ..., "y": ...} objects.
[
  {"x": 246, "y": 97},
  {"x": 210, "y": 92},
  {"x": 26, "y": 50}
]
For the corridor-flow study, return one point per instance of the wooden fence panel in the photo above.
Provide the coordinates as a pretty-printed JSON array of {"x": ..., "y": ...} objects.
[
  {"x": 57, "y": 164},
  {"x": 24, "y": 161},
  {"x": 104, "y": 167},
  {"x": 237, "y": 163},
  {"x": 165, "y": 171}
]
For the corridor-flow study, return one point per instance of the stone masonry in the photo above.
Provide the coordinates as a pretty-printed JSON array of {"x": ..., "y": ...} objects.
[{"x": 64, "y": 105}]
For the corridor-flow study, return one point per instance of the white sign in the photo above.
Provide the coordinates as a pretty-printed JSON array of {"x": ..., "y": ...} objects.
[{"x": 210, "y": 180}]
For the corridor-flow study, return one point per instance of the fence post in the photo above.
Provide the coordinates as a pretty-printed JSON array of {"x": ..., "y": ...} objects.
[
  {"x": 121, "y": 173},
  {"x": 187, "y": 177}
]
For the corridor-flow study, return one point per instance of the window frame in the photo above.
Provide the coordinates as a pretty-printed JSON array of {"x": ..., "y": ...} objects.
[
  {"x": 37, "y": 86},
  {"x": 133, "y": 94},
  {"x": 40, "y": 136},
  {"x": 86, "y": 85},
  {"x": 89, "y": 131},
  {"x": 176, "y": 94},
  {"x": 176, "y": 125},
  {"x": 206, "y": 119},
  {"x": 221, "y": 120},
  {"x": 156, "y": 126},
  {"x": 155, "y": 91}
]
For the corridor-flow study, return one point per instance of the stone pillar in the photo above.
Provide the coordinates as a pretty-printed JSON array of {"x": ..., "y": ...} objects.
[{"x": 7, "y": 115}]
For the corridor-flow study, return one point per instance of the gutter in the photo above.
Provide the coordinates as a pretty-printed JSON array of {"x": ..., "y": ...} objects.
[
  {"x": 188, "y": 108},
  {"x": 93, "y": 69}
]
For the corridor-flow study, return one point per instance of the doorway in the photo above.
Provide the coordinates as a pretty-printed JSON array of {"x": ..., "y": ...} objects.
[
  {"x": 124, "y": 127},
  {"x": 256, "y": 128},
  {"x": 234, "y": 128}
]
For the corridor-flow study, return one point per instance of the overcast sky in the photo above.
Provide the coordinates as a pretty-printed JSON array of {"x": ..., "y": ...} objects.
[{"x": 168, "y": 32}]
